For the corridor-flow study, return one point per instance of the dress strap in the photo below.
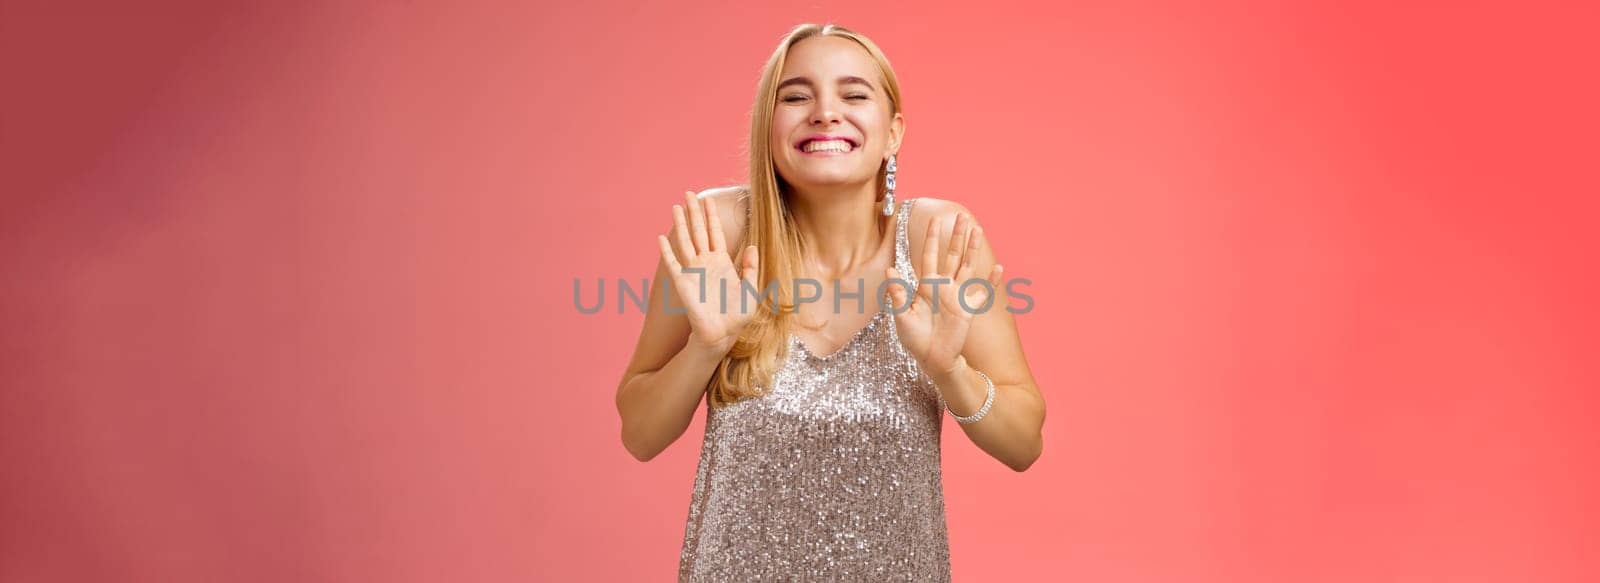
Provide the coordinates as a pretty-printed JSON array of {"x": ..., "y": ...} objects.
[{"x": 902, "y": 245}]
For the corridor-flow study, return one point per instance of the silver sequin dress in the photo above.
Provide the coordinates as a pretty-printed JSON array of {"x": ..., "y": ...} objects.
[{"x": 833, "y": 475}]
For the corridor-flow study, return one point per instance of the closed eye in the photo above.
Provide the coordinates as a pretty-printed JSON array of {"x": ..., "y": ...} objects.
[{"x": 800, "y": 98}]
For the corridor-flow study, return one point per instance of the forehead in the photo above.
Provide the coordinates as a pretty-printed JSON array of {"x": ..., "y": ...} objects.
[{"x": 827, "y": 57}]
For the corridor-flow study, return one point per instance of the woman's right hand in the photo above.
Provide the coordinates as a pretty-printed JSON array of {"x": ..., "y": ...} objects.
[{"x": 697, "y": 242}]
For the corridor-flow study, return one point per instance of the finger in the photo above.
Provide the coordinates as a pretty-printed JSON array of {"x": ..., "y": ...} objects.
[
  {"x": 750, "y": 262},
  {"x": 965, "y": 271},
  {"x": 897, "y": 292},
  {"x": 718, "y": 241},
  {"x": 667, "y": 255},
  {"x": 957, "y": 244},
  {"x": 930, "y": 250},
  {"x": 697, "y": 222},
  {"x": 997, "y": 290},
  {"x": 680, "y": 233},
  {"x": 977, "y": 302}
]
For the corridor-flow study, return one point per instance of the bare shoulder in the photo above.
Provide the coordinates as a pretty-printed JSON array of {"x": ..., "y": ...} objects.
[
  {"x": 929, "y": 210},
  {"x": 928, "y": 207},
  {"x": 733, "y": 209}
]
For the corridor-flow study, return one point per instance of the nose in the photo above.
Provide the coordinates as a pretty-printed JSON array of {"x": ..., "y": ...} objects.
[{"x": 825, "y": 113}]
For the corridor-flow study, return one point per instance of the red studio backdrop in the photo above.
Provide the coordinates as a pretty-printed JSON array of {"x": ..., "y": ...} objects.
[{"x": 288, "y": 287}]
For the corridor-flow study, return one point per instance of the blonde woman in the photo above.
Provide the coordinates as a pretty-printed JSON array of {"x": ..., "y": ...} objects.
[{"x": 807, "y": 308}]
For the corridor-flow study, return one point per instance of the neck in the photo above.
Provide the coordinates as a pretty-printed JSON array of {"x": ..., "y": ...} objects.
[{"x": 843, "y": 227}]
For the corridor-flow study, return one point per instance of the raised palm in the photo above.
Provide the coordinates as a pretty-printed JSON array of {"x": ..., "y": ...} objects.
[
  {"x": 934, "y": 328},
  {"x": 704, "y": 278}
]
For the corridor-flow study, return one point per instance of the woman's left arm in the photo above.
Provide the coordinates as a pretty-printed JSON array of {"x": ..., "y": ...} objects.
[{"x": 1012, "y": 431}]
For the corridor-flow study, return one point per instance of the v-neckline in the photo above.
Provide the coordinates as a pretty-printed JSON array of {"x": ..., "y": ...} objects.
[
  {"x": 897, "y": 226},
  {"x": 854, "y": 338}
]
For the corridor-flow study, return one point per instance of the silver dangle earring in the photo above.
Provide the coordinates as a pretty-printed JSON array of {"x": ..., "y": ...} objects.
[{"x": 888, "y": 181}]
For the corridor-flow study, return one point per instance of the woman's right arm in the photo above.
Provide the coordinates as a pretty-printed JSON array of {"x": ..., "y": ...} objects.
[{"x": 679, "y": 350}]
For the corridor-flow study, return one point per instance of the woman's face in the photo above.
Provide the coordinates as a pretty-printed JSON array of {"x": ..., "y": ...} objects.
[{"x": 832, "y": 123}]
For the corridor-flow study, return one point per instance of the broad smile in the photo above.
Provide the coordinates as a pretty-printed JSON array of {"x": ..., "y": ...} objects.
[{"x": 824, "y": 145}]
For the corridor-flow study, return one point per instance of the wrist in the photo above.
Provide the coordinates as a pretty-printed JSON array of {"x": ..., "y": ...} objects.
[
  {"x": 946, "y": 375},
  {"x": 711, "y": 350},
  {"x": 966, "y": 392}
]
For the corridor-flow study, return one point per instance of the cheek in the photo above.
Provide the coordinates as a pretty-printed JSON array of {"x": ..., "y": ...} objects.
[
  {"x": 876, "y": 127},
  {"x": 783, "y": 127}
]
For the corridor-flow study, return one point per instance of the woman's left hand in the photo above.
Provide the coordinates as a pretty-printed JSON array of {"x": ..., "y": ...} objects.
[{"x": 934, "y": 328}]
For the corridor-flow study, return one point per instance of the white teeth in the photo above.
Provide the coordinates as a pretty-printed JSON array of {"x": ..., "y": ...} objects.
[{"x": 826, "y": 146}]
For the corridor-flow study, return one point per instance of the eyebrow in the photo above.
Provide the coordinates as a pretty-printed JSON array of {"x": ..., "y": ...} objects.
[{"x": 846, "y": 80}]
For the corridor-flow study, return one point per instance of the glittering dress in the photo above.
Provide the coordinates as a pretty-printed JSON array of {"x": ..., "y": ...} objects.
[{"x": 833, "y": 475}]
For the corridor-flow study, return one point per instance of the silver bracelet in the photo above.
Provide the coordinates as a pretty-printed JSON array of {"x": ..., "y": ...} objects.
[{"x": 984, "y": 410}]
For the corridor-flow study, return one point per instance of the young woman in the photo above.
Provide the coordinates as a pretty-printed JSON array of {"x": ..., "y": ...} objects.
[{"x": 824, "y": 404}]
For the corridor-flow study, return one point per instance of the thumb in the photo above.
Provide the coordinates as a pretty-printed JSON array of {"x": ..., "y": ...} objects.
[
  {"x": 897, "y": 293},
  {"x": 749, "y": 264}
]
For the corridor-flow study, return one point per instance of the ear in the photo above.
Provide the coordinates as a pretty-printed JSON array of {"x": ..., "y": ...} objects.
[{"x": 897, "y": 133}]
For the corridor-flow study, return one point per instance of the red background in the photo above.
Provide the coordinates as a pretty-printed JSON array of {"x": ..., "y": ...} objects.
[{"x": 288, "y": 287}]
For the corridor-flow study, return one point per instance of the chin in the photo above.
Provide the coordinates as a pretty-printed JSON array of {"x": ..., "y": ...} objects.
[
  {"x": 828, "y": 179},
  {"x": 825, "y": 182}
]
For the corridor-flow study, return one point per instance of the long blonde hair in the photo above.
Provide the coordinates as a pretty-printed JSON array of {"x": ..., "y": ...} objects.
[{"x": 748, "y": 368}]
